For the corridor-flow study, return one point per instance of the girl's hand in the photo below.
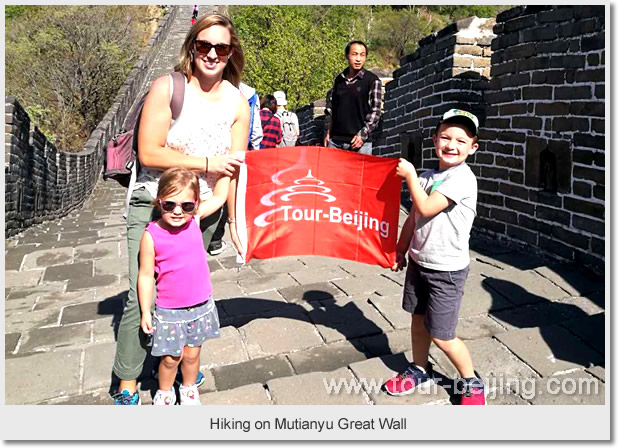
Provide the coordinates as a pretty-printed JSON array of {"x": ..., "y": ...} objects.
[
  {"x": 400, "y": 262},
  {"x": 203, "y": 210},
  {"x": 405, "y": 168},
  {"x": 146, "y": 323}
]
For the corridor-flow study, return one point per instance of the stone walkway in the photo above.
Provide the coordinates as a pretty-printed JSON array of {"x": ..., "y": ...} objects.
[{"x": 292, "y": 328}]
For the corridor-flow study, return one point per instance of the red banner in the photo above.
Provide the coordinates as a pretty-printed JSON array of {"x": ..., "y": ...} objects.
[{"x": 310, "y": 200}]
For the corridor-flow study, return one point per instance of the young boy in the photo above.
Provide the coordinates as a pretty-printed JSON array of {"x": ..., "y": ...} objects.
[{"x": 436, "y": 236}]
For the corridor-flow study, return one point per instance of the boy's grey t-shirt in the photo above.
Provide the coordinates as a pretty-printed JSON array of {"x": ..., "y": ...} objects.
[{"x": 442, "y": 241}]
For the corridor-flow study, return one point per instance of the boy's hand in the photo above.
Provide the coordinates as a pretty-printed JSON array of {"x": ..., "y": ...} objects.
[
  {"x": 405, "y": 168},
  {"x": 146, "y": 323},
  {"x": 400, "y": 262}
]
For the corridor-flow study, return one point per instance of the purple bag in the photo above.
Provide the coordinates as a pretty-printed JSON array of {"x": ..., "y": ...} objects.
[{"x": 121, "y": 151}]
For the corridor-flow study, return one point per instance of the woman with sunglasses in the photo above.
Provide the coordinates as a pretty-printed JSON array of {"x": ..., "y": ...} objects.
[
  {"x": 185, "y": 314},
  {"x": 209, "y": 137}
]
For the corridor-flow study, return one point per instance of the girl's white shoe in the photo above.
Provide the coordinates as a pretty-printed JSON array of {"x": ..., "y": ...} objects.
[
  {"x": 189, "y": 396},
  {"x": 164, "y": 398}
]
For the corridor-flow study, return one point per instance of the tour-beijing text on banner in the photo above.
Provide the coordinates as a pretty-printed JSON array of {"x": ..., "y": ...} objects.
[{"x": 310, "y": 200}]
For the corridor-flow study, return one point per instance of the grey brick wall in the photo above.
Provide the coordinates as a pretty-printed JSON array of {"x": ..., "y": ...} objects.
[
  {"x": 41, "y": 181},
  {"x": 541, "y": 165},
  {"x": 311, "y": 123}
]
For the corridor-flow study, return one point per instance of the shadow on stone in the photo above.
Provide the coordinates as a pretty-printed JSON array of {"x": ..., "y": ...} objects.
[
  {"x": 317, "y": 307},
  {"x": 113, "y": 306},
  {"x": 499, "y": 255},
  {"x": 572, "y": 335},
  {"x": 348, "y": 319}
]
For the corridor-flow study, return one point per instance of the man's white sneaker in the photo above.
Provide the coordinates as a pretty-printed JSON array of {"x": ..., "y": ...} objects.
[{"x": 216, "y": 247}]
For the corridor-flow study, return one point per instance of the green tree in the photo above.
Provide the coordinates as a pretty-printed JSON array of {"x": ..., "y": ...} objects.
[
  {"x": 65, "y": 64},
  {"x": 398, "y": 30},
  {"x": 13, "y": 11},
  {"x": 297, "y": 49},
  {"x": 453, "y": 13}
]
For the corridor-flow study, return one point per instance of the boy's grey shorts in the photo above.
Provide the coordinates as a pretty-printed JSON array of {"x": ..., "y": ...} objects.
[{"x": 437, "y": 295}]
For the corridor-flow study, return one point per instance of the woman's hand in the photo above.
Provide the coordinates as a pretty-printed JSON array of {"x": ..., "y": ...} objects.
[
  {"x": 146, "y": 323},
  {"x": 235, "y": 238},
  {"x": 226, "y": 164}
]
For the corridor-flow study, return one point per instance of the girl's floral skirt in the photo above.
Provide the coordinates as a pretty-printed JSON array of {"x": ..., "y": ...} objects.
[{"x": 175, "y": 329}]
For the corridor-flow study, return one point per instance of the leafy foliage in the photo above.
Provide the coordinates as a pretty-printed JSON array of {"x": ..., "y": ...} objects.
[
  {"x": 13, "y": 11},
  {"x": 397, "y": 32},
  {"x": 300, "y": 49},
  {"x": 453, "y": 13},
  {"x": 297, "y": 49},
  {"x": 66, "y": 64}
]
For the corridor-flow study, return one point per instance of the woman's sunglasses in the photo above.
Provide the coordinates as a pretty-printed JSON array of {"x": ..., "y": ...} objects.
[
  {"x": 204, "y": 47},
  {"x": 170, "y": 206}
]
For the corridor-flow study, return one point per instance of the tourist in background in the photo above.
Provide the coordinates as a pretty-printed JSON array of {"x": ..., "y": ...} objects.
[
  {"x": 255, "y": 123},
  {"x": 289, "y": 121},
  {"x": 271, "y": 125},
  {"x": 353, "y": 104}
]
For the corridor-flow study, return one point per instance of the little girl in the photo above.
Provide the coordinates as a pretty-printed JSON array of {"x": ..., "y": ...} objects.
[{"x": 172, "y": 252}]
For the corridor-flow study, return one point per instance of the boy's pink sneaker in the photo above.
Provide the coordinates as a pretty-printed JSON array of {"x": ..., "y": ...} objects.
[
  {"x": 473, "y": 393},
  {"x": 409, "y": 380}
]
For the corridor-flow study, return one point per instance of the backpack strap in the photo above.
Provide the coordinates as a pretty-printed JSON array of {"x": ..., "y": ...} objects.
[
  {"x": 178, "y": 93},
  {"x": 176, "y": 102}
]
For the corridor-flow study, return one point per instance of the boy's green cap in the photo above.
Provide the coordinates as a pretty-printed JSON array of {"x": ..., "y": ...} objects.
[{"x": 462, "y": 113}]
